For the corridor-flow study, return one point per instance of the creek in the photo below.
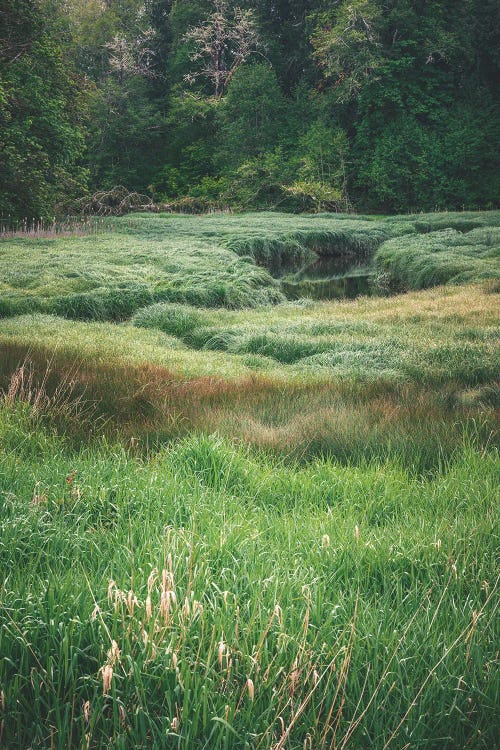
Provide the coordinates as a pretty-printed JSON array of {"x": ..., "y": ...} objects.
[{"x": 326, "y": 277}]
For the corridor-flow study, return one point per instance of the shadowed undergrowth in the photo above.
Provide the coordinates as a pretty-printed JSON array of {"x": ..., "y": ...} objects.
[{"x": 351, "y": 422}]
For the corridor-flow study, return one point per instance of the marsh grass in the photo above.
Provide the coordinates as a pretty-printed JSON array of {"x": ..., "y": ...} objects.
[
  {"x": 245, "y": 528},
  {"x": 193, "y": 601},
  {"x": 223, "y": 261},
  {"x": 440, "y": 257},
  {"x": 71, "y": 226},
  {"x": 353, "y": 380},
  {"x": 349, "y": 341},
  {"x": 346, "y": 421}
]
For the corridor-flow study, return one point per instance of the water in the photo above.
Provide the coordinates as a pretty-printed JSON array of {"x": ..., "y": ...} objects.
[{"x": 332, "y": 277}]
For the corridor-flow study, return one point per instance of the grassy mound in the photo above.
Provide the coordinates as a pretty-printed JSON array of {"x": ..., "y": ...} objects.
[
  {"x": 109, "y": 277},
  {"x": 175, "y": 319},
  {"x": 440, "y": 257},
  {"x": 354, "y": 238},
  {"x": 350, "y": 340}
]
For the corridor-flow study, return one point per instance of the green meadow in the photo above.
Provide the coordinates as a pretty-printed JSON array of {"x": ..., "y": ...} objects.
[{"x": 235, "y": 516}]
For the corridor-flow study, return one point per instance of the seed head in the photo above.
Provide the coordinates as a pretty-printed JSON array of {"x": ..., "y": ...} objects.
[
  {"x": 165, "y": 605},
  {"x": 221, "y": 652},
  {"x": 294, "y": 677},
  {"x": 111, "y": 589},
  {"x": 113, "y": 653},
  {"x": 251, "y": 689},
  {"x": 95, "y": 613},
  {"x": 151, "y": 579},
  {"x": 167, "y": 580},
  {"x": 278, "y": 613},
  {"x": 70, "y": 478},
  {"x": 131, "y": 603},
  {"x": 107, "y": 676},
  {"x": 325, "y": 542}
]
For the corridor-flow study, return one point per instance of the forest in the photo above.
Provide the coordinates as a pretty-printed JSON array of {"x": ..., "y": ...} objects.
[{"x": 379, "y": 106}]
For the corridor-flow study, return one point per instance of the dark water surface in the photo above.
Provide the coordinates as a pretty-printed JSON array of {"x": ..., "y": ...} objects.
[{"x": 327, "y": 277}]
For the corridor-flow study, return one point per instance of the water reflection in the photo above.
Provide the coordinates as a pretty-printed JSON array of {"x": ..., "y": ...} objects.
[{"x": 329, "y": 277}]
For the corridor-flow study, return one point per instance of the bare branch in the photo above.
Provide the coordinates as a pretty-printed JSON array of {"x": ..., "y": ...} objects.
[{"x": 223, "y": 42}]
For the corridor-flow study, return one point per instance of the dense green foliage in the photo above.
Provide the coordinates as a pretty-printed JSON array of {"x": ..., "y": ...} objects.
[
  {"x": 303, "y": 105},
  {"x": 42, "y": 109}
]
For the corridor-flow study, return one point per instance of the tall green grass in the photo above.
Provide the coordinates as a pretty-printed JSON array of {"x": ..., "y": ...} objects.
[{"x": 215, "y": 597}]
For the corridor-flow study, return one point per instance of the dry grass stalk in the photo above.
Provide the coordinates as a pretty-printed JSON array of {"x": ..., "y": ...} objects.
[
  {"x": 251, "y": 689},
  {"x": 107, "y": 677}
]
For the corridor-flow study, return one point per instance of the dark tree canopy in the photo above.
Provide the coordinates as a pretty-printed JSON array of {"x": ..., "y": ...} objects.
[{"x": 380, "y": 105}]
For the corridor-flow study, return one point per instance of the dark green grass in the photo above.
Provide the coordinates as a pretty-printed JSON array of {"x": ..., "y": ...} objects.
[{"x": 359, "y": 600}]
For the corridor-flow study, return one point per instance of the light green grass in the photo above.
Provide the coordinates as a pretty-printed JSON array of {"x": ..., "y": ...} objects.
[
  {"x": 440, "y": 257},
  {"x": 360, "y": 601},
  {"x": 109, "y": 276},
  {"x": 436, "y": 336},
  {"x": 349, "y": 340},
  {"x": 209, "y": 260}
]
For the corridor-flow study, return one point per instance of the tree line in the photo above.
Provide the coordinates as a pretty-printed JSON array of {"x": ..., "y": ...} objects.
[{"x": 374, "y": 105}]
